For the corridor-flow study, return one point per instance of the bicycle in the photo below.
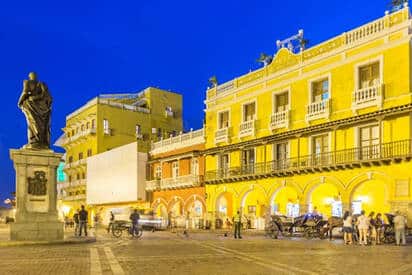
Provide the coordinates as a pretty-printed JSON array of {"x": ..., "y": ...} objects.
[{"x": 120, "y": 227}]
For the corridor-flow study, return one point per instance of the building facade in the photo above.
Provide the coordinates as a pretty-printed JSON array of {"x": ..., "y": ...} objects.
[
  {"x": 175, "y": 180},
  {"x": 110, "y": 121},
  {"x": 327, "y": 127}
]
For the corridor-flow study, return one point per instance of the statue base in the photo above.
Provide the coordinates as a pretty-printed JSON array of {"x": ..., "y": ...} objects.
[{"x": 36, "y": 196}]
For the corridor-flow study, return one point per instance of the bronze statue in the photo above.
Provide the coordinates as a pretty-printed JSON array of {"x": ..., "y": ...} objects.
[{"x": 35, "y": 102}]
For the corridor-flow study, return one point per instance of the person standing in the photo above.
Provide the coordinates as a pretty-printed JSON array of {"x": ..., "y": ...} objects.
[
  {"x": 347, "y": 228},
  {"x": 134, "y": 217},
  {"x": 76, "y": 223},
  {"x": 83, "y": 217},
  {"x": 111, "y": 222},
  {"x": 363, "y": 226},
  {"x": 400, "y": 225},
  {"x": 372, "y": 226},
  {"x": 379, "y": 227},
  {"x": 237, "y": 219}
]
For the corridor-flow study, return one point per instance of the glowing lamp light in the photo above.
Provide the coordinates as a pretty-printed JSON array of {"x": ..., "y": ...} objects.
[{"x": 66, "y": 209}]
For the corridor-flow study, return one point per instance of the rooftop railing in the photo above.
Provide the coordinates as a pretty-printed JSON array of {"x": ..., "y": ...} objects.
[{"x": 180, "y": 141}]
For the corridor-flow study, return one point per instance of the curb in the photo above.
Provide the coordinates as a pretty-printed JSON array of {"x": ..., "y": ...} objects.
[{"x": 27, "y": 243}]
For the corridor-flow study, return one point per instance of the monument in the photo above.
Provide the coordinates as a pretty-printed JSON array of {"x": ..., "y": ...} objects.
[{"x": 36, "y": 164}]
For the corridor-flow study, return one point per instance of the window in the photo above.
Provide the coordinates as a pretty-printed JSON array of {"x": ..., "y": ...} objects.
[
  {"x": 138, "y": 130},
  {"x": 93, "y": 123},
  {"x": 369, "y": 142},
  {"x": 158, "y": 172},
  {"x": 320, "y": 148},
  {"x": 77, "y": 176},
  {"x": 82, "y": 127},
  {"x": 369, "y": 75},
  {"x": 249, "y": 112},
  {"x": 70, "y": 159},
  {"x": 106, "y": 128},
  {"x": 195, "y": 167},
  {"x": 80, "y": 155},
  {"x": 223, "y": 120},
  {"x": 70, "y": 178},
  {"x": 89, "y": 152},
  {"x": 175, "y": 169},
  {"x": 87, "y": 125},
  {"x": 159, "y": 132},
  {"x": 223, "y": 164},
  {"x": 248, "y": 161},
  {"x": 320, "y": 90},
  {"x": 83, "y": 175},
  {"x": 280, "y": 155},
  {"x": 73, "y": 132},
  {"x": 281, "y": 102}
]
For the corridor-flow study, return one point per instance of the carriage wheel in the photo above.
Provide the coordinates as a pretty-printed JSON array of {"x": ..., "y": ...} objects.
[{"x": 117, "y": 232}]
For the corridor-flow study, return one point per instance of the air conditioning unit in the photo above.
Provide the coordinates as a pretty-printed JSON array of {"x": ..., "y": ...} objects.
[
  {"x": 154, "y": 130},
  {"x": 169, "y": 112}
]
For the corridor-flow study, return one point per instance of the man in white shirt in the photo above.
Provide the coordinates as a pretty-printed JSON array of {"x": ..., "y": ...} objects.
[{"x": 400, "y": 225}]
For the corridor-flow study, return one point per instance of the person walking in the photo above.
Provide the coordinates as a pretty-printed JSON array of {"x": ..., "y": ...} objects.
[
  {"x": 347, "y": 228},
  {"x": 134, "y": 217},
  {"x": 400, "y": 225},
  {"x": 76, "y": 222},
  {"x": 363, "y": 227},
  {"x": 379, "y": 227},
  {"x": 111, "y": 222},
  {"x": 237, "y": 219},
  {"x": 83, "y": 217}
]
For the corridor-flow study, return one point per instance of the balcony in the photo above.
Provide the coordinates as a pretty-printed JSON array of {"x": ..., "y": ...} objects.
[
  {"x": 374, "y": 155},
  {"x": 174, "y": 183},
  {"x": 79, "y": 137},
  {"x": 279, "y": 120},
  {"x": 77, "y": 183},
  {"x": 368, "y": 97},
  {"x": 247, "y": 128},
  {"x": 74, "y": 198},
  {"x": 152, "y": 185},
  {"x": 222, "y": 135},
  {"x": 80, "y": 164},
  {"x": 183, "y": 140},
  {"x": 318, "y": 110}
]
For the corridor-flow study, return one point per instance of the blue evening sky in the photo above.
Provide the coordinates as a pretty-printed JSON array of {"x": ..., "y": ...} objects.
[{"x": 84, "y": 48}]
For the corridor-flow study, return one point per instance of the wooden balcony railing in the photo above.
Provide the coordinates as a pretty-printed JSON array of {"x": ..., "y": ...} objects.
[{"x": 378, "y": 154}]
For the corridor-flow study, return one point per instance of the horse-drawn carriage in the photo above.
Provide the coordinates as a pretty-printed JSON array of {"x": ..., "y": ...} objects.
[{"x": 308, "y": 225}]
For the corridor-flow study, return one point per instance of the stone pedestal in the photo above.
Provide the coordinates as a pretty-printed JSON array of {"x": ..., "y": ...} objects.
[{"x": 36, "y": 196}]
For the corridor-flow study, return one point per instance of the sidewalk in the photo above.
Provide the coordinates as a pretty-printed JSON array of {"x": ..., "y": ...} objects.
[{"x": 69, "y": 238}]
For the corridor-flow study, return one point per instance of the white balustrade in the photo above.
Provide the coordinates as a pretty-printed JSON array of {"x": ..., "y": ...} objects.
[
  {"x": 280, "y": 120},
  {"x": 365, "y": 31},
  {"x": 222, "y": 135},
  {"x": 366, "y": 97},
  {"x": 180, "y": 182},
  {"x": 247, "y": 128},
  {"x": 184, "y": 140},
  {"x": 318, "y": 110}
]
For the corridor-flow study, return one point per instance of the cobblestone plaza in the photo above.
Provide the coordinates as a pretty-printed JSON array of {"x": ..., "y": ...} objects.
[{"x": 205, "y": 253}]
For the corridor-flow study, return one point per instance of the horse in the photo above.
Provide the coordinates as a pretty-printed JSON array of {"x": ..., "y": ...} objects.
[{"x": 332, "y": 223}]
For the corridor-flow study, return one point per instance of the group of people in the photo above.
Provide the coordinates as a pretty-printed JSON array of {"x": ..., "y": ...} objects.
[
  {"x": 371, "y": 226},
  {"x": 80, "y": 219}
]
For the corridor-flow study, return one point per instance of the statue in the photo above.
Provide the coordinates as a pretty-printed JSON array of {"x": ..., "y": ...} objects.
[{"x": 35, "y": 102}]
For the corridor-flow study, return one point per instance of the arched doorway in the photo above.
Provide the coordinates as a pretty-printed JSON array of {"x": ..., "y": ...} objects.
[
  {"x": 254, "y": 208},
  {"x": 176, "y": 212},
  {"x": 370, "y": 195},
  {"x": 224, "y": 208},
  {"x": 285, "y": 201},
  {"x": 325, "y": 199},
  {"x": 195, "y": 211}
]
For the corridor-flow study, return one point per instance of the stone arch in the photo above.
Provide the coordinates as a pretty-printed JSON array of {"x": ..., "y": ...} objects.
[
  {"x": 193, "y": 198},
  {"x": 378, "y": 195},
  {"x": 229, "y": 200},
  {"x": 314, "y": 183},
  {"x": 248, "y": 189},
  {"x": 281, "y": 205},
  {"x": 172, "y": 203},
  {"x": 159, "y": 201}
]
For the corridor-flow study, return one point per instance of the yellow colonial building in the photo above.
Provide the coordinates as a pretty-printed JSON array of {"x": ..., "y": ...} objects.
[
  {"x": 327, "y": 127},
  {"x": 110, "y": 121}
]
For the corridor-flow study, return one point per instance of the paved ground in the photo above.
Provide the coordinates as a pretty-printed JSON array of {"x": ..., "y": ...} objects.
[{"x": 205, "y": 253}]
